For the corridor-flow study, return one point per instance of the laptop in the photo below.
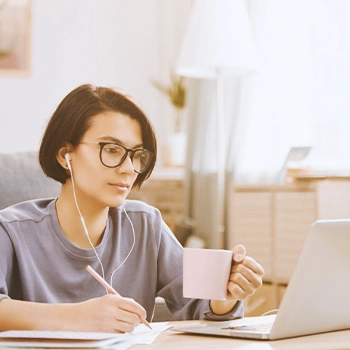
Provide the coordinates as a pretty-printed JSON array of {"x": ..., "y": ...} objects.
[{"x": 317, "y": 297}]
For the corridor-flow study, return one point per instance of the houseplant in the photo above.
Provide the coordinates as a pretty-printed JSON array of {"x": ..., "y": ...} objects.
[{"x": 176, "y": 94}]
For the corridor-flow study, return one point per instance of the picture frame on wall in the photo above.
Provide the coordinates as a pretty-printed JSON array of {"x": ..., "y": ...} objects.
[{"x": 15, "y": 37}]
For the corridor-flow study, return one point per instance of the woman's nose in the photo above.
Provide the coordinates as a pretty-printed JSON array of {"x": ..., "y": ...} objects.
[{"x": 127, "y": 166}]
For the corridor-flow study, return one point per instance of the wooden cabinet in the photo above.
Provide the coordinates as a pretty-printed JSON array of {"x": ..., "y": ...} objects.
[
  {"x": 293, "y": 214},
  {"x": 250, "y": 223},
  {"x": 261, "y": 301},
  {"x": 272, "y": 222},
  {"x": 165, "y": 193}
]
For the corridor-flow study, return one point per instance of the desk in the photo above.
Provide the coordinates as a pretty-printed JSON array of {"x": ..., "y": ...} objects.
[{"x": 170, "y": 340}]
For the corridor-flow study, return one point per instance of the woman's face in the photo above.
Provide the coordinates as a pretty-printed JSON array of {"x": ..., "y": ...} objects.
[{"x": 95, "y": 184}]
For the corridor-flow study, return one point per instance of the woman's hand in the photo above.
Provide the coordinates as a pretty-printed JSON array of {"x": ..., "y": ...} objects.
[
  {"x": 246, "y": 275},
  {"x": 110, "y": 313},
  {"x": 245, "y": 278}
]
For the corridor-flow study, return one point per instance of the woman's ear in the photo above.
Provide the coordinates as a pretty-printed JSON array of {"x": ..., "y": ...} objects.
[{"x": 63, "y": 157}]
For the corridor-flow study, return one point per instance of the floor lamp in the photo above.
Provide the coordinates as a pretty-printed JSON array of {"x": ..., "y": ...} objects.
[{"x": 218, "y": 44}]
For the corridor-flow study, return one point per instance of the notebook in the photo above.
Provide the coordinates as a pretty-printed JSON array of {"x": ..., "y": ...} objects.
[{"x": 316, "y": 299}]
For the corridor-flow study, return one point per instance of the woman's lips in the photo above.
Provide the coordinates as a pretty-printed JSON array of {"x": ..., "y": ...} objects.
[{"x": 120, "y": 186}]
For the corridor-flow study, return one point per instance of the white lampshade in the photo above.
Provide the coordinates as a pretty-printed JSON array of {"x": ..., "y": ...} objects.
[{"x": 218, "y": 37}]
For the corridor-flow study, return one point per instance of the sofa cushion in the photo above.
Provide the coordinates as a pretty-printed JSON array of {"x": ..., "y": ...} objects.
[{"x": 21, "y": 178}]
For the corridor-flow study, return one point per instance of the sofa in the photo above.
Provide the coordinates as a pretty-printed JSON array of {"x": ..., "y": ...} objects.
[{"x": 21, "y": 178}]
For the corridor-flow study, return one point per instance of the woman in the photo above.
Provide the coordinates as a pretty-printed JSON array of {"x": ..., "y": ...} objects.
[{"x": 99, "y": 145}]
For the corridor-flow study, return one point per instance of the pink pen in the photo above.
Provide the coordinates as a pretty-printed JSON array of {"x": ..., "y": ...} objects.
[{"x": 109, "y": 288}]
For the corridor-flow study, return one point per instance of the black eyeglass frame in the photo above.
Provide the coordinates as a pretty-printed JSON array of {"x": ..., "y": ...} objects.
[{"x": 127, "y": 151}]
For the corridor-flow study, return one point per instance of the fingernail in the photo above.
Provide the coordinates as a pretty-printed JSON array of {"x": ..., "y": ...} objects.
[{"x": 238, "y": 257}]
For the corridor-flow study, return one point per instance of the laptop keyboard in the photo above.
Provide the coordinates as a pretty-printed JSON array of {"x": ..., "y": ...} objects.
[{"x": 262, "y": 327}]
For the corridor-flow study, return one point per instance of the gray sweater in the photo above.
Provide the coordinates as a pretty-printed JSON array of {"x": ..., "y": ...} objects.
[{"x": 38, "y": 263}]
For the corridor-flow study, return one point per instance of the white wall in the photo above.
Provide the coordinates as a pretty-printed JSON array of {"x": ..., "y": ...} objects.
[
  {"x": 300, "y": 97},
  {"x": 116, "y": 43}
]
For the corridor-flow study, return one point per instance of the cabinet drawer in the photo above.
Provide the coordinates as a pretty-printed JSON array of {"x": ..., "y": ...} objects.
[
  {"x": 294, "y": 215},
  {"x": 250, "y": 224}
]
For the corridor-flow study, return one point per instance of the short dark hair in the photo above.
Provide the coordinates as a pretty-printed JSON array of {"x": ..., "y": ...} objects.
[{"x": 71, "y": 120}]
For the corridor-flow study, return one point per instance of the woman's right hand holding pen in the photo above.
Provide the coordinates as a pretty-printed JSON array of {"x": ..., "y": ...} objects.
[
  {"x": 109, "y": 313},
  {"x": 111, "y": 290}
]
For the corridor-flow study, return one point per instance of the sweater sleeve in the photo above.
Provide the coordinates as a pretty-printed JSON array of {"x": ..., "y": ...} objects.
[
  {"x": 170, "y": 283},
  {"x": 8, "y": 266}
]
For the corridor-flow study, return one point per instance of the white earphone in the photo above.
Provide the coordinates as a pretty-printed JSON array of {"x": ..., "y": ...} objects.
[{"x": 66, "y": 156}]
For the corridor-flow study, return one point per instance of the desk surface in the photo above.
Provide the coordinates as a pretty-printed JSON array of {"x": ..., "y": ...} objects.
[{"x": 171, "y": 340}]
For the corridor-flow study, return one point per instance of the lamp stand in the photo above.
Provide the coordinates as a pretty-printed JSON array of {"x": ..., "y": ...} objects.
[{"x": 219, "y": 237}]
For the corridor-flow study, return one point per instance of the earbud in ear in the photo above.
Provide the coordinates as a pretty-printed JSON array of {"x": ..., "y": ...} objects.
[{"x": 66, "y": 156}]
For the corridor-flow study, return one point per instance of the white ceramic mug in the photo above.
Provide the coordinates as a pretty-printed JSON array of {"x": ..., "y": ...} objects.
[{"x": 206, "y": 273}]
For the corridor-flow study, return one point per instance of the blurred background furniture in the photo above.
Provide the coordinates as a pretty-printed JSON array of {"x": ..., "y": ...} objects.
[
  {"x": 218, "y": 45},
  {"x": 272, "y": 222},
  {"x": 164, "y": 190},
  {"x": 21, "y": 178}
]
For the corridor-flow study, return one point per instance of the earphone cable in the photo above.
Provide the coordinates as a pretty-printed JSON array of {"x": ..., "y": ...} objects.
[
  {"x": 83, "y": 223},
  {"x": 131, "y": 249},
  {"x": 88, "y": 236}
]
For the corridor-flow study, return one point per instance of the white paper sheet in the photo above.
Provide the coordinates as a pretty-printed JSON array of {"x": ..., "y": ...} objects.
[{"x": 58, "y": 339}]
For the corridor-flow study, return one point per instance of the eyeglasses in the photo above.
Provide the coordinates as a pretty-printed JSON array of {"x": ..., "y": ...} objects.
[{"x": 113, "y": 154}]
